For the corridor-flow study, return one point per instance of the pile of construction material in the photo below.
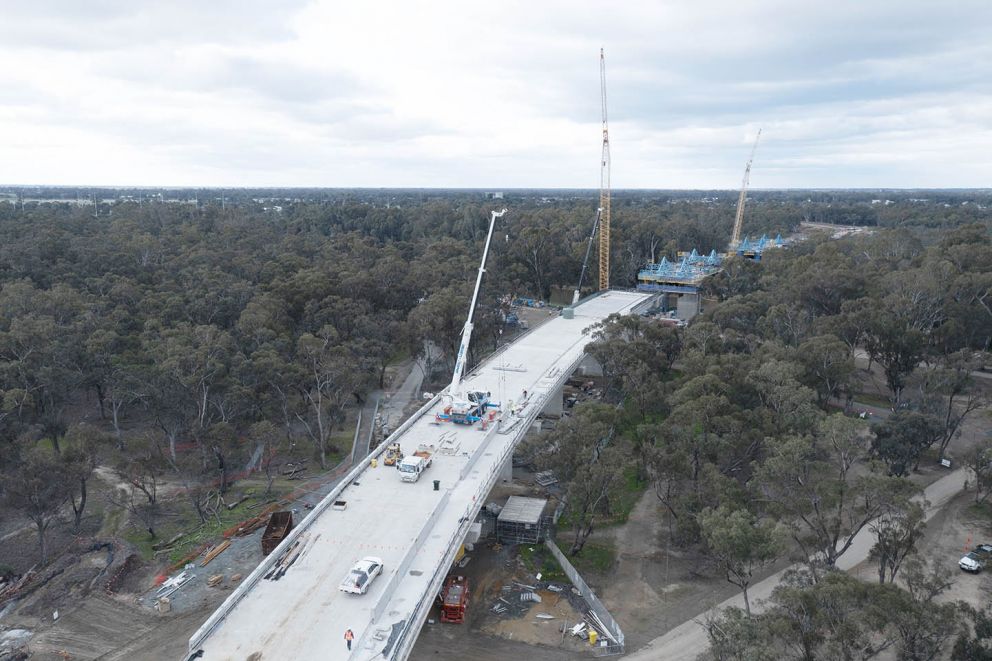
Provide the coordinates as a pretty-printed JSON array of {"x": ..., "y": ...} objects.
[
  {"x": 592, "y": 624},
  {"x": 296, "y": 550},
  {"x": 546, "y": 478},
  {"x": 516, "y": 599},
  {"x": 174, "y": 583}
]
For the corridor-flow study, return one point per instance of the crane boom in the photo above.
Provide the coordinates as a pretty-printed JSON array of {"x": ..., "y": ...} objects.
[
  {"x": 585, "y": 262},
  {"x": 604, "y": 186},
  {"x": 735, "y": 238},
  {"x": 456, "y": 378}
]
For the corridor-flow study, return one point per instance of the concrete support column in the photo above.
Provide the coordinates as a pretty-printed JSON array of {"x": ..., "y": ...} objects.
[
  {"x": 554, "y": 405},
  {"x": 688, "y": 306},
  {"x": 506, "y": 473},
  {"x": 590, "y": 367}
]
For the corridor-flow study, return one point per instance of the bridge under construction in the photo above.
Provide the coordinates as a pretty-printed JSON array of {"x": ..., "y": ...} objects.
[{"x": 290, "y": 607}]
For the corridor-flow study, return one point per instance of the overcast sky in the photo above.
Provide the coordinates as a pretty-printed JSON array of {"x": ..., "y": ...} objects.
[{"x": 864, "y": 93}]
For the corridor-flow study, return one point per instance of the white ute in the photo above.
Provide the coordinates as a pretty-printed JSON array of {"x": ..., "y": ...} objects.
[
  {"x": 411, "y": 466},
  {"x": 975, "y": 561},
  {"x": 361, "y": 575}
]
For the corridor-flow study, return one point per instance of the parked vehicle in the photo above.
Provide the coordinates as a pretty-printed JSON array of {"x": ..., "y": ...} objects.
[
  {"x": 412, "y": 466},
  {"x": 361, "y": 575},
  {"x": 454, "y": 600},
  {"x": 468, "y": 410},
  {"x": 977, "y": 560}
]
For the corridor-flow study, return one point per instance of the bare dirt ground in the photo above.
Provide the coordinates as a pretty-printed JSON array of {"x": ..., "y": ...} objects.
[
  {"x": 953, "y": 531},
  {"x": 105, "y": 627},
  {"x": 437, "y": 643},
  {"x": 486, "y": 635}
]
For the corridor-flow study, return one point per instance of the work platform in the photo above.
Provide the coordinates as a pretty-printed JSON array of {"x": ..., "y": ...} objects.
[{"x": 415, "y": 530}]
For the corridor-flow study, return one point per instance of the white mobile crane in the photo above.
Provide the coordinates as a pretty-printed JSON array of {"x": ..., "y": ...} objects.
[{"x": 461, "y": 407}]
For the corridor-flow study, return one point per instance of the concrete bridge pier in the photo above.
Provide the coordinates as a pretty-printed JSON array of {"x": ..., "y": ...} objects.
[
  {"x": 589, "y": 367},
  {"x": 506, "y": 474},
  {"x": 555, "y": 403}
]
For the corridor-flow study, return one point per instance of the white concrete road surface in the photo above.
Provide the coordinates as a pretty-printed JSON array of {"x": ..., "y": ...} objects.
[{"x": 688, "y": 640}]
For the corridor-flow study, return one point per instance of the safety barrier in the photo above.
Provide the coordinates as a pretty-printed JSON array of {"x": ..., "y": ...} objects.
[
  {"x": 354, "y": 443},
  {"x": 587, "y": 593}
]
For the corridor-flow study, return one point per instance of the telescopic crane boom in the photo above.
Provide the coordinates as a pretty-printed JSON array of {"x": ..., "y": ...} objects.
[
  {"x": 735, "y": 238},
  {"x": 456, "y": 378},
  {"x": 585, "y": 262}
]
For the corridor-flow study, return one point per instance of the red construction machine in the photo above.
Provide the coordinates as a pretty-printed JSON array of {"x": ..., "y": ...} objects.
[{"x": 454, "y": 600}]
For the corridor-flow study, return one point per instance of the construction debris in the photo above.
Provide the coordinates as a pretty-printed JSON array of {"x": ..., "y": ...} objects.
[
  {"x": 291, "y": 555},
  {"x": 215, "y": 580},
  {"x": 595, "y": 624},
  {"x": 235, "y": 578},
  {"x": 530, "y": 596},
  {"x": 215, "y": 551},
  {"x": 251, "y": 525},
  {"x": 544, "y": 616},
  {"x": 174, "y": 583},
  {"x": 546, "y": 478}
]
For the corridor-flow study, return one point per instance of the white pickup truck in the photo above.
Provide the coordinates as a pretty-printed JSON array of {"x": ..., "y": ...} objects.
[
  {"x": 976, "y": 560},
  {"x": 361, "y": 575},
  {"x": 411, "y": 466}
]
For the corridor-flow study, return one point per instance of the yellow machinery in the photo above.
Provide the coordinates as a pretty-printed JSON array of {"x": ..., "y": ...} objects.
[{"x": 393, "y": 454}]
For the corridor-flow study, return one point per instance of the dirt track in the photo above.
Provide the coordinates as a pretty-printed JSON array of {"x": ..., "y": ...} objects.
[{"x": 103, "y": 627}]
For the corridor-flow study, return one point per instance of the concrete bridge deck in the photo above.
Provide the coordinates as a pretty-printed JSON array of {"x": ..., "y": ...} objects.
[{"x": 414, "y": 529}]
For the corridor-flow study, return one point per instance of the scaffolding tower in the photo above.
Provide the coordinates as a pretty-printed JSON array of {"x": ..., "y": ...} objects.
[{"x": 522, "y": 521}]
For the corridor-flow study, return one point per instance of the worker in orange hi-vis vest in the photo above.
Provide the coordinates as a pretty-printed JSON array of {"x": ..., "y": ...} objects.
[{"x": 348, "y": 637}]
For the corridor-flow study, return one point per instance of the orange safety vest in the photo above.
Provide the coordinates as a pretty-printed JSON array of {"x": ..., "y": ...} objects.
[{"x": 348, "y": 635}]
